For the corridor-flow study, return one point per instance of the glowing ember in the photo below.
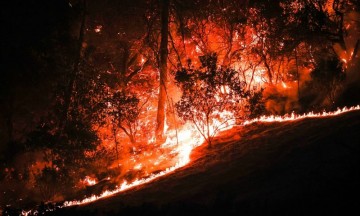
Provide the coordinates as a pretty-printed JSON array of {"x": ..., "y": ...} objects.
[{"x": 98, "y": 28}]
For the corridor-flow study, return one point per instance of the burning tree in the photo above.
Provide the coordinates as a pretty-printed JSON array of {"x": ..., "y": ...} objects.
[{"x": 207, "y": 93}]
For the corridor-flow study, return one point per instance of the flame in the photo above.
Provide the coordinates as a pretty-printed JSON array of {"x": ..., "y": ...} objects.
[
  {"x": 284, "y": 85},
  {"x": 183, "y": 143},
  {"x": 138, "y": 166},
  {"x": 88, "y": 181},
  {"x": 123, "y": 187},
  {"x": 295, "y": 117}
]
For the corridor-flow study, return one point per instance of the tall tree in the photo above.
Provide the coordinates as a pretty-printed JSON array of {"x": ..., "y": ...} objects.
[
  {"x": 69, "y": 91},
  {"x": 160, "y": 120}
]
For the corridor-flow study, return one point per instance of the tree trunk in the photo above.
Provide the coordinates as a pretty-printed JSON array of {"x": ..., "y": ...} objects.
[
  {"x": 297, "y": 74},
  {"x": 268, "y": 69},
  {"x": 116, "y": 142},
  {"x": 9, "y": 114},
  {"x": 163, "y": 70},
  {"x": 131, "y": 135},
  {"x": 208, "y": 130},
  {"x": 70, "y": 88},
  {"x": 227, "y": 57},
  {"x": 10, "y": 126}
]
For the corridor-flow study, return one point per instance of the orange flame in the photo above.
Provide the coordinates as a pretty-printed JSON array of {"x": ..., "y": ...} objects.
[{"x": 295, "y": 117}]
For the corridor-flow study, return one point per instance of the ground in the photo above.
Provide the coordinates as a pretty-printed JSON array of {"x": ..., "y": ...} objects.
[{"x": 306, "y": 167}]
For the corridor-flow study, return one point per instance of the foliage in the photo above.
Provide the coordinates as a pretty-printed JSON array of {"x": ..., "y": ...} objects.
[
  {"x": 256, "y": 104},
  {"x": 206, "y": 92},
  {"x": 328, "y": 77},
  {"x": 45, "y": 181},
  {"x": 68, "y": 156},
  {"x": 123, "y": 111}
]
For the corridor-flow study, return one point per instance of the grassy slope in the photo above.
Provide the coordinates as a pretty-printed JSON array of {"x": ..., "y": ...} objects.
[{"x": 305, "y": 167}]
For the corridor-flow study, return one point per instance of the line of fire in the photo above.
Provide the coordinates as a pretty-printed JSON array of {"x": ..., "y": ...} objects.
[{"x": 100, "y": 97}]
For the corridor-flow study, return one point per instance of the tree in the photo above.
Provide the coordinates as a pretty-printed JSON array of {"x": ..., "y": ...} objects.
[
  {"x": 256, "y": 104},
  {"x": 328, "y": 77},
  {"x": 68, "y": 155},
  {"x": 123, "y": 111},
  {"x": 45, "y": 181},
  {"x": 206, "y": 92},
  {"x": 163, "y": 69}
]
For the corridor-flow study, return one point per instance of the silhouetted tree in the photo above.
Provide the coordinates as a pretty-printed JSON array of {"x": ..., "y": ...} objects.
[
  {"x": 328, "y": 77},
  {"x": 123, "y": 110}
]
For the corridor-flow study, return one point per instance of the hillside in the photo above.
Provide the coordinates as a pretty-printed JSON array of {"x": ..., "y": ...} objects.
[{"x": 305, "y": 167}]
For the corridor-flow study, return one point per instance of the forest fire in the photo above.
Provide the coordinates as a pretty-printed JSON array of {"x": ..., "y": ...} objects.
[
  {"x": 182, "y": 142},
  {"x": 189, "y": 138},
  {"x": 122, "y": 92}
]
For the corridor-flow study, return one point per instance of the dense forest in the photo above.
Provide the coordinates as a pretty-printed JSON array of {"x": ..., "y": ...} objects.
[{"x": 96, "y": 91}]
